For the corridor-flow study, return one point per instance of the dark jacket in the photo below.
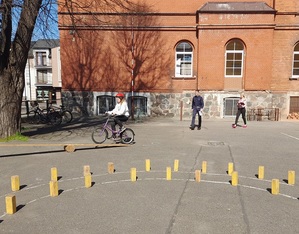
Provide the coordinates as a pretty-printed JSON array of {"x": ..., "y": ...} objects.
[{"x": 197, "y": 102}]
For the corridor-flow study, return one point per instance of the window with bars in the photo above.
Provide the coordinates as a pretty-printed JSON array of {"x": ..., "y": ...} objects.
[
  {"x": 105, "y": 103},
  {"x": 230, "y": 106},
  {"x": 234, "y": 55},
  {"x": 294, "y": 104}
]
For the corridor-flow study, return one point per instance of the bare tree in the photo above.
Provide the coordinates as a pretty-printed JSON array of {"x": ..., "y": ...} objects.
[{"x": 13, "y": 57}]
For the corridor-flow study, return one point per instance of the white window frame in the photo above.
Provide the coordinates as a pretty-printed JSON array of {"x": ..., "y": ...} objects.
[
  {"x": 242, "y": 60},
  {"x": 179, "y": 68},
  {"x": 40, "y": 58},
  {"x": 296, "y": 52}
]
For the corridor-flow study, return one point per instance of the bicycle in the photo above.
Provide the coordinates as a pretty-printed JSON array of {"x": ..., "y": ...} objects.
[
  {"x": 100, "y": 134},
  {"x": 66, "y": 114},
  {"x": 37, "y": 115}
]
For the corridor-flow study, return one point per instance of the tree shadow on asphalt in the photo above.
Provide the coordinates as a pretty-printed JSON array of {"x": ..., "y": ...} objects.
[
  {"x": 43, "y": 129},
  {"x": 51, "y": 152}
]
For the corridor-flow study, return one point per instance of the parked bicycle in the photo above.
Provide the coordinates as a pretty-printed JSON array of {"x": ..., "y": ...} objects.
[
  {"x": 100, "y": 134},
  {"x": 66, "y": 114},
  {"x": 37, "y": 115}
]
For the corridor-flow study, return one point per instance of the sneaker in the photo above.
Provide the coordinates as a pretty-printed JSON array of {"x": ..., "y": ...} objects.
[
  {"x": 192, "y": 128},
  {"x": 234, "y": 125},
  {"x": 244, "y": 126},
  {"x": 122, "y": 129},
  {"x": 198, "y": 128}
]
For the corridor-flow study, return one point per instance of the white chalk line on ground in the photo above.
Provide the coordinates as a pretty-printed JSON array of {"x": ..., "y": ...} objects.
[{"x": 296, "y": 138}]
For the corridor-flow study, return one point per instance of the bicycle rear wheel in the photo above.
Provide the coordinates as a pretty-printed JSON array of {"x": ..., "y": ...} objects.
[
  {"x": 99, "y": 135},
  {"x": 67, "y": 116},
  {"x": 54, "y": 118},
  {"x": 127, "y": 136}
]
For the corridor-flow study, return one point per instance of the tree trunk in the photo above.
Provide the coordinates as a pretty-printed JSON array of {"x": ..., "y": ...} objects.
[
  {"x": 13, "y": 57},
  {"x": 11, "y": 92}
]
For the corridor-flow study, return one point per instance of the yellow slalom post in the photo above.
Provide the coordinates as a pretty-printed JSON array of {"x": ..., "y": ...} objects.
[
  {"x": 86, "y": 170},
  {"x": 235, "y": 179},
  {"x": 204, "y": 167},
  {"x": 291, "y": 177},
  {"x": 176, "y": 165},
  {"x": 15, "y": 183},
  {"x": 261, "y": 173},
  {"x": 275, "y": 187},
  {"x": 133, "y": 174},
  {"x": 230, "y": 168},
  {"x": 197, "y": 175},
  {"x": 11, "y": 206},
  {"x": 147, "y": 165},
  {"x": 110, "y": 168},
  {"x": 53, "y": 188},
  {"x": 87, "y": 180},
  {"x": 54, "y": 174},
  {"x": 168, "y": 173}
]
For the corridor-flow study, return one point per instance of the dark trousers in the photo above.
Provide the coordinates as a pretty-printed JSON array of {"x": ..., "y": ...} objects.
[
  {"x": 119, "y": 119},
  {"x": 243, "y": 112},
  {"x": 194, "y": 113}
]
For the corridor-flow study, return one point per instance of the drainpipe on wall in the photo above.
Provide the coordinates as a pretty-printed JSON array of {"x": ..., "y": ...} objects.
[
  {"x": 132, "y": 75},
  {"x": 197, "y": 56}
]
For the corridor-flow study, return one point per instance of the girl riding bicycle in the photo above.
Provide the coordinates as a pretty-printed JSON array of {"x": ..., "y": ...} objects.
[{"x": 120, "y": 112}]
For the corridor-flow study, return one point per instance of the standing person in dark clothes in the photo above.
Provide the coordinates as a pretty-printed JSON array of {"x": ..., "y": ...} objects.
[
  {"x": 197, "y": 106},
  {"x": 241, "y": 110}
]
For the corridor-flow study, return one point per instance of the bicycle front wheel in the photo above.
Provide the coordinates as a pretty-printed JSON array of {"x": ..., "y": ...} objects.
[
  {"x": 99, "y": 135},
  {"x": 67, "y": 116},
  {"x": 33, "y": 118},
  {"x": 127, "y": 136}
]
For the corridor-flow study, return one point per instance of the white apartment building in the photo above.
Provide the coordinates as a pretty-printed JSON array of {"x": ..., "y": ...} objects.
[{"x": 43, "y": 71}]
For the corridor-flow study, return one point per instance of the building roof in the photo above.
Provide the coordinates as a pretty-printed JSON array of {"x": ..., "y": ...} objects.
[
  {"x": 236, "y": 7},
  {"x": 43, "y": 44}
]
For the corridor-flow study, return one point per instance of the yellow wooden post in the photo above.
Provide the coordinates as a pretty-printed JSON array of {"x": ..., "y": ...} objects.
[
  {"x": 204, "y": 167},
  {"x": 10, "y": 201},
  {"x": 168, "y": 173},
  {"x": 86, "y": 170},
  {"x": 53, "y": 188},
  {"x": 54, "y": 174},
  {"x": 110, "y": 168},
  {"x": 133, "y": 174},
  {"x": 230, "y": 168},
  {"x": 176, "y": 165},
  {"x": 275, "y": 187},
  {"x": 147, "y": 165},
  {"x": 261, "y": 173},
  {"x": 291, "y": 177},
  {"x": 88, "y": 180},
  {"x": 197, "y": 175},
  {"x": 235, "y": 179},
  {"x": 15, "y": 183}
]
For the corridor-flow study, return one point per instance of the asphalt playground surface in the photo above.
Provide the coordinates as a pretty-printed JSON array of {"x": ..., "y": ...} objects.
[{"x": 152, "y": 204}]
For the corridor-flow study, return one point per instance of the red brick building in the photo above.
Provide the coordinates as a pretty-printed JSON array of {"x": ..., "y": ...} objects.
[{"x": 159, "y": 52}]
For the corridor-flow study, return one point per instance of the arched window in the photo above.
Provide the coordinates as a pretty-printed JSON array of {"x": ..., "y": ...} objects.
[
  {"x": 296, "y": 61},
  {"x": 183, "y": 60},
  {"x": 234, "y": 58}
]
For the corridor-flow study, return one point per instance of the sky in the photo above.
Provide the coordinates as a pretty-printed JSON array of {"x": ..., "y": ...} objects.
[{"x": 47, "y": 24}]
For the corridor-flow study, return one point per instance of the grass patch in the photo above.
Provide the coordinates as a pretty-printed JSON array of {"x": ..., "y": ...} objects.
[{"x": 17, "y": 137}]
